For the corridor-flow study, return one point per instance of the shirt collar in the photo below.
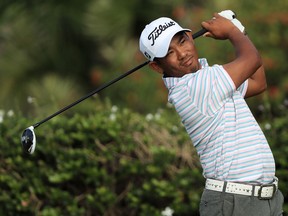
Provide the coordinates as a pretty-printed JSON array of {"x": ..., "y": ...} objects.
[{"x": 172, "y": 81}]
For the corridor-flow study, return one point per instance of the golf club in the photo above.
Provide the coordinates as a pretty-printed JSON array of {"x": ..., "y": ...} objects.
[{"x": 28, "y": 138}]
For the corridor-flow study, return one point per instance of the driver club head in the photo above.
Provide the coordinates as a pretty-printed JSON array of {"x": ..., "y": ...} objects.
[{"x": 28, "y": 140}]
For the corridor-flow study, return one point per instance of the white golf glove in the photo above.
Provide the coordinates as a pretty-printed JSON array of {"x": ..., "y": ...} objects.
[{"x": 228, "y": 14}]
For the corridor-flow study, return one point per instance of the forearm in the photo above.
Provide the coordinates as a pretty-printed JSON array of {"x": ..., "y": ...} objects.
[
  {"x": 247, "y": 59},
  {"x": 245, "y": 52},
  {"x": 256, "y": 83},
  {"x": 260, "y": 77}
]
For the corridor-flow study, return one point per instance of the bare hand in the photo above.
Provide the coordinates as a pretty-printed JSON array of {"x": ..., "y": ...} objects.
[{"x": 219, "y": 27}]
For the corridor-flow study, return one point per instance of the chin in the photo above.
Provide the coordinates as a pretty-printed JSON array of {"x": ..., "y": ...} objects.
[
  {"x": 196, "y": 68},
  {"x": 193, "y": 70}
]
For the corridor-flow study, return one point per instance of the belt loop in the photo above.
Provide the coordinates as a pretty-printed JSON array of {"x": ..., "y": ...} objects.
[
  {"x": 224, "y": 187},
  {"x": 223, "y": 193},
  {"x": 275, "y": 181},
  {"x": 253, "y": 191}
]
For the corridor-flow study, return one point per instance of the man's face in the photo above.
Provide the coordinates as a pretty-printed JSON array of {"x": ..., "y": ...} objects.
[{"x": 181, "y": 58}]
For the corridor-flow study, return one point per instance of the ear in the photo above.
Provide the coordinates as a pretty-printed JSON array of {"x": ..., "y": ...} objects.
[{"x": 156, "y": 67}]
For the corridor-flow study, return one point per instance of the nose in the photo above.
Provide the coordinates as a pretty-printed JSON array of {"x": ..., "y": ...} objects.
[{"x": 181, "y": 54}]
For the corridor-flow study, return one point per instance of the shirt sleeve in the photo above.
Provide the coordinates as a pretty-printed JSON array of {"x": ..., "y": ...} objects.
[
  {"x": 243, "y": 88},
  {"x": 211, "y": 88}
]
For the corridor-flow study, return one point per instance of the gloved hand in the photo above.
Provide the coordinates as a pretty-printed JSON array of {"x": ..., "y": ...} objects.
[{"x": 228, "y": 14}]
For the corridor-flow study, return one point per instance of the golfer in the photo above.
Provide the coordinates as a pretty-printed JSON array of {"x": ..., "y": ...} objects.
[{"x": 237, "y": 161}]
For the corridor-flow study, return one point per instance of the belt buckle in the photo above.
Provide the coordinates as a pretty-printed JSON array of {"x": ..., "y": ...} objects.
[{"x": 265, "y": 186}]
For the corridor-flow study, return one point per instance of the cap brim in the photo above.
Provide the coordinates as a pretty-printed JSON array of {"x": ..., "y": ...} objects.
[{"x": 165, "y": 46}]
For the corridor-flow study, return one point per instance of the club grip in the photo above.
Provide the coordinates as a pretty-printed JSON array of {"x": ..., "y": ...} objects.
[{"x": 199, "y": 33}]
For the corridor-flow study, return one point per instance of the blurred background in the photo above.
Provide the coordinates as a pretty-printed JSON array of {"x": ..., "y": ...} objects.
[
  {"x": 124, "y": 151},
  {"x": 53, "y": 52}
]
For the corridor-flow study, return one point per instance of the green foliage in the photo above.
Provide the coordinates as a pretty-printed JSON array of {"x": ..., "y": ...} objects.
[
  {"x": 109, "y": 162},
  {"x": 94, "y": 41},
  {"x": 275, "y": 126}
]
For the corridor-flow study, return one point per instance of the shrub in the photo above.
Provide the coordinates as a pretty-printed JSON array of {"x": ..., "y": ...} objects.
[{"x": 110, "y": 161}]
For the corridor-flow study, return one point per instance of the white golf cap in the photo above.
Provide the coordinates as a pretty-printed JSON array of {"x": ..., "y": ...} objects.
[{"x": 156, "y": 37}]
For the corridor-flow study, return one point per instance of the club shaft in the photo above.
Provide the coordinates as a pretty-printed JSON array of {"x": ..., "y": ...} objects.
[
  {"x": 197, "y": 34},
  {"x": 92, "y": 93}
]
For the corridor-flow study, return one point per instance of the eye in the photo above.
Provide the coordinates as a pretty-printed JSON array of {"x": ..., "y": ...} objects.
[
  {"x": 170, "y": 52},
  {"x": 182, "y": 40}
]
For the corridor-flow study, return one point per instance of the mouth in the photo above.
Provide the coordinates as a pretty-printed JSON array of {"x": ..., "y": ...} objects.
[{"x": 187, "y": 62}]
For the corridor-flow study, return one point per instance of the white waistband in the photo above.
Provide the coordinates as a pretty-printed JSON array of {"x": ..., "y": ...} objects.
[{"x": 261, "y": 191}]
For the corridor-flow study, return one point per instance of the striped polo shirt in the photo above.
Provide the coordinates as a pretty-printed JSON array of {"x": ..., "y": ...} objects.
[{"x": 230, "y": 144}]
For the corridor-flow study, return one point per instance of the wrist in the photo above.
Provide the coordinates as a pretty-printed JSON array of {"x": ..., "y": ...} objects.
[{"x": 234, "y": 32}]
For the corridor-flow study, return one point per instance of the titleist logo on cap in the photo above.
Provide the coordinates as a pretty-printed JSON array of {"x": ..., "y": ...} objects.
[{"x": 158, "y": 31}]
